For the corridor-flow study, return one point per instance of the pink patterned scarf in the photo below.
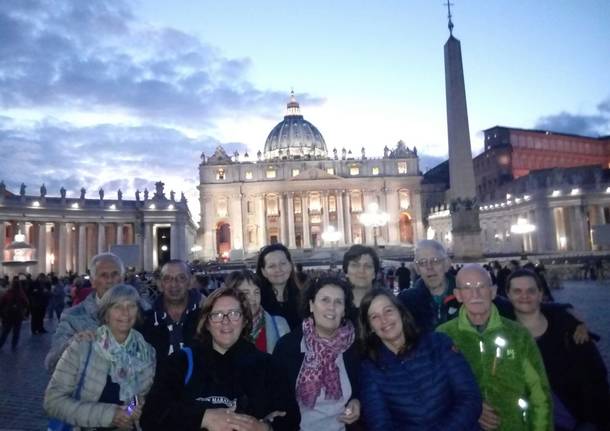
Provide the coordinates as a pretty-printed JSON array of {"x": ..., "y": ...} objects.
[{"x": 319, "y": 369}]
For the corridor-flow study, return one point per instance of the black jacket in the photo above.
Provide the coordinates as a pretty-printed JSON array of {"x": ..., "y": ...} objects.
[
  {"x": 155, "y": 324},
  {"x": 289, "y": 358},
  {"x": 243, "y": 375}
]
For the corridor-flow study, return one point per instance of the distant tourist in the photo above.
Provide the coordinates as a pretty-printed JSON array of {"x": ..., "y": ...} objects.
[
  {"x": 404, "y": 277},
  {"x": 14, "y": 307},
  {"x": 361, "y": 266}
]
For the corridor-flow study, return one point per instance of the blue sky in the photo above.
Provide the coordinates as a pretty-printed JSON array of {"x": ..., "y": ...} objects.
[{"x": 119, "y": 93}]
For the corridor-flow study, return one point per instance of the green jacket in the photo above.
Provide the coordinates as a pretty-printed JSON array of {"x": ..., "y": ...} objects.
[{"x": 519, "y": 370}]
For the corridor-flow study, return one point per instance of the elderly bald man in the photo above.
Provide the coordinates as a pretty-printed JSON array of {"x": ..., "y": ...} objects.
[{"x": 503, "y": 356}]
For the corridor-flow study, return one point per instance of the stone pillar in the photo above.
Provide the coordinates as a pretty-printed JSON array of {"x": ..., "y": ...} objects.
[
  {"x": 291, "y": 235},
  {"x": 119, "y": 234},
  {"x": 340, "y": 217},
  {"x": 347, "y": 218},
  {"x": 101, "y": 238},
  {"x": 209, "y": 229},
  {"x": 545, "y": 229},
  {"x": 393, "y": 209},
  {"x": 235, "y": 213},
  {"x": 61, "y": 249},
  {"x": 42, "y": 247},
  {"x": 148, "y": 247},
  {"x": 601, "y": 216},
  {"x": 580, "y": 230},
  {"x": 306, "y": 232},
  {"x": 417, "y": 216},
  {"x": 283, "y": 218},
  {"x": 325, "y": 215},
  {"x": 369, "y": 233},
  {"x": 2, "y": 239},
  {"x": 173, "y": 241},
  {"x": 261, "y": 211},
  {"x": 244, "y": 222},
  {"x": 82, "y": 248}
]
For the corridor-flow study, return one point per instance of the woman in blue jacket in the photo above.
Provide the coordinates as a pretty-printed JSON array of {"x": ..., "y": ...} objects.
[{"x": 410, "y": 381}]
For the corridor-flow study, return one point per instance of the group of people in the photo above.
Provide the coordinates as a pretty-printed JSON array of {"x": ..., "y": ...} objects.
[{"x": 270, "y": 350}]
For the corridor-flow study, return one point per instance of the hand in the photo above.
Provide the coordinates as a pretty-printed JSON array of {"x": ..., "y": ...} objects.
[
  {"x": 136, "y": 413},
  {"x": 581, "y": 334},
  {"x": 351, "y": 413},
  {"x": 274, "y": 414},
  {"x": 85, "y": 336},
  {"x": 121, "y": 418},
  {"x": 489, "y": 419},
  {"x": 228, "y": 420}
]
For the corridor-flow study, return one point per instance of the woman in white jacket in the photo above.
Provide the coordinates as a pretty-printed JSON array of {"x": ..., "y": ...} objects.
[{"x": 118, "y": 367}]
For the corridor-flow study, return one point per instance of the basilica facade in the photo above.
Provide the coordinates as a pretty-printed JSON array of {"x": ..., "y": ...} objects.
[{"x": 298, "y": 193}]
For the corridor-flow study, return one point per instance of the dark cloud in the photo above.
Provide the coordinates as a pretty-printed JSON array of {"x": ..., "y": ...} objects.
[
  {"x": 588, "y": 125},
  {"x": 98, "y": 56},
  {"x": 108, "y": 156},
  {"x": 427, "y": 162}
]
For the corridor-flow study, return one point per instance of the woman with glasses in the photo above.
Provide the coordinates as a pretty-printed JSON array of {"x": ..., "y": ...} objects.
[
  {"x": 222, "y": 382},
  {"x": 320, "y": 359},
  {"x": 266, "y": 328},
  {"x": 276, "y": 278},
  {"x": 411, "y": 381}
]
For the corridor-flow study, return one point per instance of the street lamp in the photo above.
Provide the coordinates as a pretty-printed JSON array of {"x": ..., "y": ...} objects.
[
  {"x": 375, "y": 218},
  {"x": 522, "y": 227},
  {"x": 331, "y": 235}
]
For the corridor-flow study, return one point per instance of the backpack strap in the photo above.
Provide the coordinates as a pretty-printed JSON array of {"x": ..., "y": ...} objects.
[
  {"x": 79, "y": 387},
  {"x": 189, "y": 358}
]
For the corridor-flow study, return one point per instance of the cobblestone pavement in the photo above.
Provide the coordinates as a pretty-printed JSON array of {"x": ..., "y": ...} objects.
[{"x": 23, "y": 377}]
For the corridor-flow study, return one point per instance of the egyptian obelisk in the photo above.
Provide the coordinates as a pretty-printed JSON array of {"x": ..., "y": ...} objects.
[{"x": 466, "y": 230}]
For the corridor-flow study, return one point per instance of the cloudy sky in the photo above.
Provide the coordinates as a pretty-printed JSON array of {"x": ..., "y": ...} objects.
[{"x": 122, "y": 93}]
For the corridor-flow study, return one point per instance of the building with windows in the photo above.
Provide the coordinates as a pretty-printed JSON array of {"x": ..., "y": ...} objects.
[
  {"x": 295, "y": 191},
  {"x": 511, "y": 153},
  {"x": 66, "y": 233}
]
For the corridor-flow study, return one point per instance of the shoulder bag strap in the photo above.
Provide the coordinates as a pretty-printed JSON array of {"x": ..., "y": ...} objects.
[{"x": 82, "y": 376}]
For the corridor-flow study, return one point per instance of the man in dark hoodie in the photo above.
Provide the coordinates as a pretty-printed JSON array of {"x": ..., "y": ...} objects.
[{"x": 172, "y": 321}]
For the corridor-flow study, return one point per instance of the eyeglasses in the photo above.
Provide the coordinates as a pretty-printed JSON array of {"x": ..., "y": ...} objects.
[
  {"x": 435, "y": 261},
  {"x": 180, "y": 278},
  {"x": 219, "y": 316},
  {"x": 471, "y": 287}
]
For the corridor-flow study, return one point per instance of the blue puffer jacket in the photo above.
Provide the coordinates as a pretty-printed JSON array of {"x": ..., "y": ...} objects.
[{"x": 429, "y": 388}]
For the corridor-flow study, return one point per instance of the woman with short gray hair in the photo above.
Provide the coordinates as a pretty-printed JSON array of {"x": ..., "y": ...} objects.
[{"x": 116, "y": 368}]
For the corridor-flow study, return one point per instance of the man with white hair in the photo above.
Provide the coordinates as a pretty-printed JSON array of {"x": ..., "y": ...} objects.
[
  {"x": 503, "y": 356},
  {"x": 431, "y": 300},
  {"x": 107, "y": 270}
]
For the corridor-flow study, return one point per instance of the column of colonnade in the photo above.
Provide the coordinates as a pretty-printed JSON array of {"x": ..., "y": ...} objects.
[
  {"x": 340, "y": 216},
  {"x": 291, "y": 230}
]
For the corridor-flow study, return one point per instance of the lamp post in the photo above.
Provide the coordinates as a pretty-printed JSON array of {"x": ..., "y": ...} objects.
[
  {"x": 375, "y": 218},
  {"x": 522, "y": 227}
]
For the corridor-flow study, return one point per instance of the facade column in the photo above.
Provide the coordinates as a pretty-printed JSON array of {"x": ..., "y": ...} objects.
[
  {"x": 347, "y": 218},
  {"x": 545, "y": 228},
  {"x": 393, "y": 209},
  {"x": 2, "y": 239},
  {"x": 578, "y": 220},
  {"x": 368, "y": 230},
  {"x": 61, "y": 252},
  {"x": 235, "y": 213},
  {"x": 82, "y": 248},
  {"x": 101, "y": 238},
  {"x": 305, "y": 211},
  {"x": 340, "y": 217},
  {"x": 325, "y": 215},
  {"x": 417, "y": 216},
  {"x": 173, "y": 241},
  {"x": 42, "y": 247},
  {"x": 119, "y": 234},
  {"x": 283, "y": 218},
  {"x": 601, "y": 216},
  {"x": 244, "y": 222},
  {"x": 209, "y": 230},
  {"x": 261, "y": 211},
  {"x": 291, "y": 235},
  {"x": 148, "y": 247}
]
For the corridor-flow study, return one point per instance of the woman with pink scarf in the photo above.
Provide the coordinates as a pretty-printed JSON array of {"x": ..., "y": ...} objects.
[{"x": 320, "y": 359}]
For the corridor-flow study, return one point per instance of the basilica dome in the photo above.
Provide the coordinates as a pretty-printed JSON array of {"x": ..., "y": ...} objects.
[{"x": 294, "y": 137}]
